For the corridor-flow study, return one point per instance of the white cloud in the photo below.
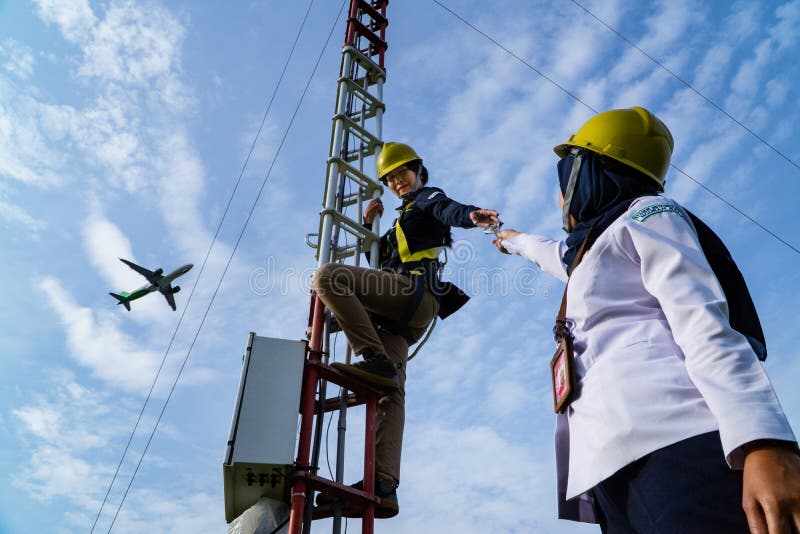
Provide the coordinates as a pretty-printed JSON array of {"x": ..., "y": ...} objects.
[
  {"x": 17, "y": 215},
  {"x": 74, "y": 435},
  {"x": 74, "y": 18},
  {"x": 27, "y": 152},
  {"x": 131, "y": 64},
  {"x": 480, "y": 482},
  {"x": 157, "y": 510},
  {"x": 136, "y": 46},
  {"x": 180, "y": 191},
  {"x": 744, "y": 21},
  {"x": 19, "y": 58},
  {"x": 96, "y": 341},
  {"x": 61, "y": 430},
  {"x": 105, "y": 243},
  {"x": 785, "y": 31},
  {"x": 750, "y": 76},
  {"x": 711, "y": 69}
]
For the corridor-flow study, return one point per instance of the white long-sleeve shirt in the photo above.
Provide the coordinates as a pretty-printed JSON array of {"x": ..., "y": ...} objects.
[{"x": 655, "y": 356}]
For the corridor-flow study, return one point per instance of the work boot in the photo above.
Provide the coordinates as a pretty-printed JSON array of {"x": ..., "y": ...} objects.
[
  {"x": 385, "y": 489},
  {"x": 376, "y": 370}
]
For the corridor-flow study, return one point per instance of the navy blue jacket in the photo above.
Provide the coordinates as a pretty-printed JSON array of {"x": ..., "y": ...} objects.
[
  {"x": 425, "y": 218},
  {"x": 423, "y": 223}
]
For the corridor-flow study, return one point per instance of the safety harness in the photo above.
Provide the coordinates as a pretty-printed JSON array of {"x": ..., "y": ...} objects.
[{"x": 423, "y": 267}]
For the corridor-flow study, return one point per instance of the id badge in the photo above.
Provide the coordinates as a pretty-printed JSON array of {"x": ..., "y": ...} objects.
[{"x": 562, "y": 374}]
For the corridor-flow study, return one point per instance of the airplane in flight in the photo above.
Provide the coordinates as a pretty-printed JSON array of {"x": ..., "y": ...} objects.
[{"x": 158, "y": 281}]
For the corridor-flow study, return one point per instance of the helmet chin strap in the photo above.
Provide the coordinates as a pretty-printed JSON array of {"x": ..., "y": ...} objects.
[{"x": 573, "y": 180}]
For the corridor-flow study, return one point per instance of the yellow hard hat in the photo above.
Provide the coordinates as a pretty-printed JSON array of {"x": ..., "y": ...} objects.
[
  {"x": 392, "y": 156},
  {"x": 632, "y": 136}
]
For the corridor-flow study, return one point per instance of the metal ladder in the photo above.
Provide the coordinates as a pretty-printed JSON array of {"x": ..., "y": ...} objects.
[{"x": 356, "y": 136}]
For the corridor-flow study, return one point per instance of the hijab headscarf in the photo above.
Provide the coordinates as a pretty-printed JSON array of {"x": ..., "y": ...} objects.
[{"x": 604, "y": 190}]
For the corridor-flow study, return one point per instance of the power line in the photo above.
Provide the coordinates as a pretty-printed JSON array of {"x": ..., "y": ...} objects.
[
  {"x": 230, "y": 258},
  {"x": 205, "y": 261},
  {"x": 743, "y": 214},
  {"x": 514, "y": 55},
  {"x": 687, "y": 84},
  {"x": 574, "y": 97}
]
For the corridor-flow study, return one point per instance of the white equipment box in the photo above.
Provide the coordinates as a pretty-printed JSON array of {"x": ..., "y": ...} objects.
[{"x": 261, "y": 446}]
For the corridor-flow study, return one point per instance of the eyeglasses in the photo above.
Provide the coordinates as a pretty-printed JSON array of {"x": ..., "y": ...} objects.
[{"x": 394, "y": 175}]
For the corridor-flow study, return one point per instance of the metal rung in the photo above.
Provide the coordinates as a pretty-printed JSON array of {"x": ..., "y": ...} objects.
[
  {"x": 361, "y": 389},
  {"x": 351, "y": 227},
  {"x": 362, "y": 180},
  {"x": 333, "y": 403},
  {"x": 361, "y": 30},
  {"x": 350, "y": 200},
  {"x": 373, "y": 13},
  {"x": 356, "y": 499},
  {"x": 371, "y": 101},
  {"x": 358, "y": 131},
  {"x": 342, "y": 253},
  {"x": 369, "y": 144},
  {"x": 353, "y": 155},
  {"x": 374, "y": 70},
  {"x": 356, "y": 116}
]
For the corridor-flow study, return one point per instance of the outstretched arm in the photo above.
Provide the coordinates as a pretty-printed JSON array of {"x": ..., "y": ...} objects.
[
  {"x": 544, "y": 252},
  {"x": 434, "y": 201}
]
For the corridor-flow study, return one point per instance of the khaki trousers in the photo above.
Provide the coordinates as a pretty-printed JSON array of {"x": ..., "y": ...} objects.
[{"x": 351, "y": 293}]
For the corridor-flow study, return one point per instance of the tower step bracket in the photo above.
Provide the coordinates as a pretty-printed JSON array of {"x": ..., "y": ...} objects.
[
  {"x": 352, "y": 227},
  {"x": 356, "y": 29},
  {"x": 370, "y": 143},
  {"x": 377, "y": 45},
  {"x": 362, "y": 180},
  {"x": 373, "y": 12},
  {"x": 375, "y": 72},
  {"x": 371, "y": 102}
]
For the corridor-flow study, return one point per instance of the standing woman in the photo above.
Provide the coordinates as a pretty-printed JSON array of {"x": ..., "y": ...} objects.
[
  {"x": 384, "y": 311},
  {"x": 667, "y": 421}
]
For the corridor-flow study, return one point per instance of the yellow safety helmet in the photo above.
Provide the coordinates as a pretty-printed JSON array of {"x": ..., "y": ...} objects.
[
  {"x": 632, "y": 136},
  {"x": 392, "y": 156}
]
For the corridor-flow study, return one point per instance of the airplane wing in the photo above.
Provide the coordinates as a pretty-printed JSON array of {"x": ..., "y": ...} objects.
[
  {"x": 170, "y": 298},
  {"x": 151, "y": 276}
]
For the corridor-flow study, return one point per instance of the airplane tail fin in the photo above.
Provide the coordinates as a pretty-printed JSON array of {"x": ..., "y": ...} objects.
[{"x": 122, "y": 300}]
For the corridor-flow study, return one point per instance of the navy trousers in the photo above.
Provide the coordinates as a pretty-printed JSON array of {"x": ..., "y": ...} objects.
[{"x": 685, "y": 488}]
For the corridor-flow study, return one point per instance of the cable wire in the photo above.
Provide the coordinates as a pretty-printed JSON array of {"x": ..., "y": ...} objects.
[
  {"x": 283, "y": 524},
  {"x": 205, "y": 261},
  {"x": 687, "y": 84},
  {"x": 512, "y": 54},
  {"x": 575, "y": 97},
  {"x": 230, "y": 258},
  {"x": 330, "y": 419},
  {"x": 743, "y": 214}
]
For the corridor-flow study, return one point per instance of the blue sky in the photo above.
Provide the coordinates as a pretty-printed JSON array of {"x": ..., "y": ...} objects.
[{"x": 123, "y": 127}]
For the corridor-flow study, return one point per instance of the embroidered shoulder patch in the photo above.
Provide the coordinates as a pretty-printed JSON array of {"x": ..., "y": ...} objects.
[
  {"x": 644, "y": 213},
  {"x": 434, "y": 194}
]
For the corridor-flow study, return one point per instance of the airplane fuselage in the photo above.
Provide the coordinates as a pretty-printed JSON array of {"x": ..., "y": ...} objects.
[
  {"x": 165, "y": 282},
  {"x": 142, "y": 291},
  {"x": 158, "y": 282}
]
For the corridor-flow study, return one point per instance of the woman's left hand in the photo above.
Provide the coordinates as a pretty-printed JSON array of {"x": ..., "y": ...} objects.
[
  {"x": 484, "y": 218},
  {"x": 771, "y": 497}
]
